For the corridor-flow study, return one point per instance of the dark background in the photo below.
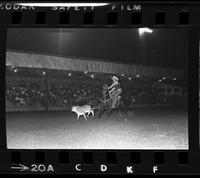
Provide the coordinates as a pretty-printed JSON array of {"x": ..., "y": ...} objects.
[{"x": 163, "y": 47}]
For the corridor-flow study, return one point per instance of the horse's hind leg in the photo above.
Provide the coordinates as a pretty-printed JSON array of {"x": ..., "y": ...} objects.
[{"x": 109, "y": 112}]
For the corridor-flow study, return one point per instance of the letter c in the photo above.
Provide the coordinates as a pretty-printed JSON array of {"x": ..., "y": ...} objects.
[{"x": 77, "y": 167}]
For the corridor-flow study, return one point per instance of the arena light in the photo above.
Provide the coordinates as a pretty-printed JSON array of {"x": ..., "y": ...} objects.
[
  {"x": 145, "y": 30},
  {"x": 63, "y": 4}
]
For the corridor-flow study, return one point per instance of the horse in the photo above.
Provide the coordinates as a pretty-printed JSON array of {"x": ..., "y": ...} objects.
[{"x": 106, "y": 105}]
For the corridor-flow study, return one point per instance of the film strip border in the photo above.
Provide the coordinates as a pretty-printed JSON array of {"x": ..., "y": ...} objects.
[
  {"x": 102, "y": 14},
  {"x": 110, "y": 15},
  {"x": 120, "y": 162}
]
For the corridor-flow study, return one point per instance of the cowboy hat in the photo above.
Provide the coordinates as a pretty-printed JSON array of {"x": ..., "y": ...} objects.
[{"x": 114, "y": 78}]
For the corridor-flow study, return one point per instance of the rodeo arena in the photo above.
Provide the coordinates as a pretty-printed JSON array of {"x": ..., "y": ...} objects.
[{"x": 70, "y": 102}]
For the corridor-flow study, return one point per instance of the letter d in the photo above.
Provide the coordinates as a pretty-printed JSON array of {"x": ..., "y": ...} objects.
[{"x": 103, "y": 168}]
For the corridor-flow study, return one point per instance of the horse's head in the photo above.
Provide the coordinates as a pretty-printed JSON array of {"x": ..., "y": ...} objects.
[{"x": 105, "y": 86}]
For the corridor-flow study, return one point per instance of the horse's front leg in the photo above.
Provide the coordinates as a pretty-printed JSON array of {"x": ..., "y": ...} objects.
[{"x": 101, "y": 110}]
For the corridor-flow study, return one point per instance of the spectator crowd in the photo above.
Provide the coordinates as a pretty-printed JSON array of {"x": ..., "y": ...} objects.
[{"x": 65, "y": 94}]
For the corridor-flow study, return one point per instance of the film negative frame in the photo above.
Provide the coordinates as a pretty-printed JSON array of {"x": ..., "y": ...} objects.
[{"x": 110, "y": 15}]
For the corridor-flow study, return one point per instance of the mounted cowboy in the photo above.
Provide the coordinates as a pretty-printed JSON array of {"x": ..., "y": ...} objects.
[{"x": 115, "y": 91}]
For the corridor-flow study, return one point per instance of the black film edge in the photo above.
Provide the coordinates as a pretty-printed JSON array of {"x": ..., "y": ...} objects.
[{"x": 103, "y": 88}]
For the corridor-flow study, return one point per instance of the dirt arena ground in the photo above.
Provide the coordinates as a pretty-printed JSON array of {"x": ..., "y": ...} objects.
[{"x": 142, "y": 128}]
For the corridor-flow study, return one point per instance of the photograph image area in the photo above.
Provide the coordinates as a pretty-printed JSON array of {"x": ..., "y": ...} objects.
[{"x": 123, "y": 89}]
